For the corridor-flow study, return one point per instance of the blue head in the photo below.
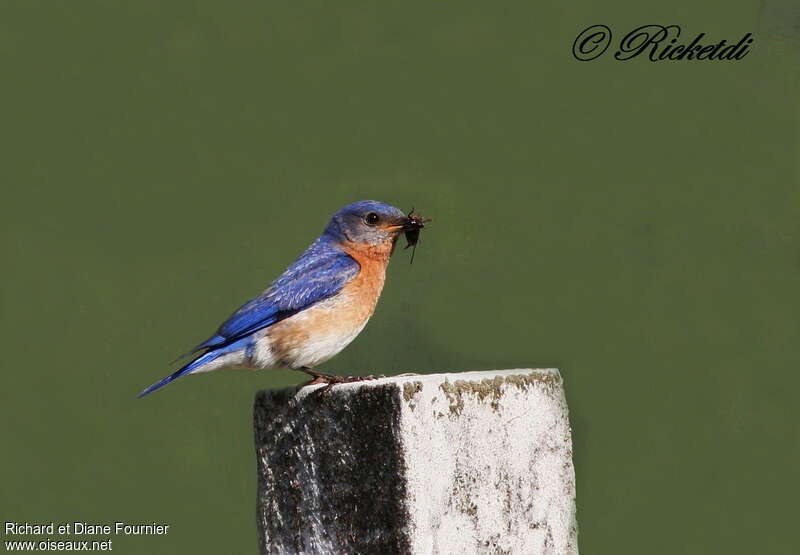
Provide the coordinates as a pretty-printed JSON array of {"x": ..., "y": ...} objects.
[{"x": 369, "y": 222}]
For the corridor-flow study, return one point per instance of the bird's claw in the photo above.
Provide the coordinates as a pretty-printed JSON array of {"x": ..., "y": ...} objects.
[{"x": 331, "y": 380}]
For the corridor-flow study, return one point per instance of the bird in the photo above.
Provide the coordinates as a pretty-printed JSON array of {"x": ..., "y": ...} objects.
[{"x": 317, "y": 306}]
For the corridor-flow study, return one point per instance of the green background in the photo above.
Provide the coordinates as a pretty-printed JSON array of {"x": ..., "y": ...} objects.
[{"x": 634, "y": 224}]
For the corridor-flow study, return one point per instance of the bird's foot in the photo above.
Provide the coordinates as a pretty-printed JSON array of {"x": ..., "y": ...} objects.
[{"x": 330, "y": 380}]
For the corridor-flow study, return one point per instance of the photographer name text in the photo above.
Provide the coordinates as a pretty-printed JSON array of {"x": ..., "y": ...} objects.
[
  {"x": 658, "y": 43},
  {"x": 55, "y": 532}
]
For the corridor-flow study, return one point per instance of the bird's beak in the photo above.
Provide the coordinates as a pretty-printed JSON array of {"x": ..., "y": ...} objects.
[{"x": 407, "y": 224}]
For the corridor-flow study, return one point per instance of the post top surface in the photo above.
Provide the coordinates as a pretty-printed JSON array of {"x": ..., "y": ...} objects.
[{"x": 533, "y": 374}]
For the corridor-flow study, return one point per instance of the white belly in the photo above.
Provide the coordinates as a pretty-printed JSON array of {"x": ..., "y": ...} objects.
[{"x": 311, "y": 337}]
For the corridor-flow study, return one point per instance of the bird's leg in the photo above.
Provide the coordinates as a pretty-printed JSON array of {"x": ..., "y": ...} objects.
[
  {"x": 318, "y": 377},
  {"x": 330, "y": 379},
  {"x": 344, "y": 379}
]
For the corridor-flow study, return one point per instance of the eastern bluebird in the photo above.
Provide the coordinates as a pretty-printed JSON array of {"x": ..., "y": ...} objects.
[{"x": 317, "y": 306}]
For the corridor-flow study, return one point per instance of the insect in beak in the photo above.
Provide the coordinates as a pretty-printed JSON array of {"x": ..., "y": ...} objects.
[{"x": 411, "y": 228}]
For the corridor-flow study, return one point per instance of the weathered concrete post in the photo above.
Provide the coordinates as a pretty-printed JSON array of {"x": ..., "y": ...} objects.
[{"x": 477, "y": 462}]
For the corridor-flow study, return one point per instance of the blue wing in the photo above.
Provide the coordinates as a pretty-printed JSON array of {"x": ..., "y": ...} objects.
[
  {"x": 317, "y": 274},
  {"x": 320, "y": 272}
]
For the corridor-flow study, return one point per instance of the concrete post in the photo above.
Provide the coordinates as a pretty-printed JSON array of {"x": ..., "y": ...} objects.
[{"x": 476, "y": 462}]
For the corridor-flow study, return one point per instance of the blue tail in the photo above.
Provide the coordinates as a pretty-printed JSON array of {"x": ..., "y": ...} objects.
[{"x": 199, "y": 361}]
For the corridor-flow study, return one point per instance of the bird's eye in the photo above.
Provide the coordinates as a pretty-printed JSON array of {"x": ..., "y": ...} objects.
[{"x": 371, "y": 218}]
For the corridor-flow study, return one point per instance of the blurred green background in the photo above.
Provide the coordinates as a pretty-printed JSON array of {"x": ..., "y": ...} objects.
[{"x": 634, "y": 224}]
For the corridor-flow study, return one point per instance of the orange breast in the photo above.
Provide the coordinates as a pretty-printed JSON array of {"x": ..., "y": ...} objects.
[
  {"x": 366, "y": 287},
  {"x": 318, "y": 333}
]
